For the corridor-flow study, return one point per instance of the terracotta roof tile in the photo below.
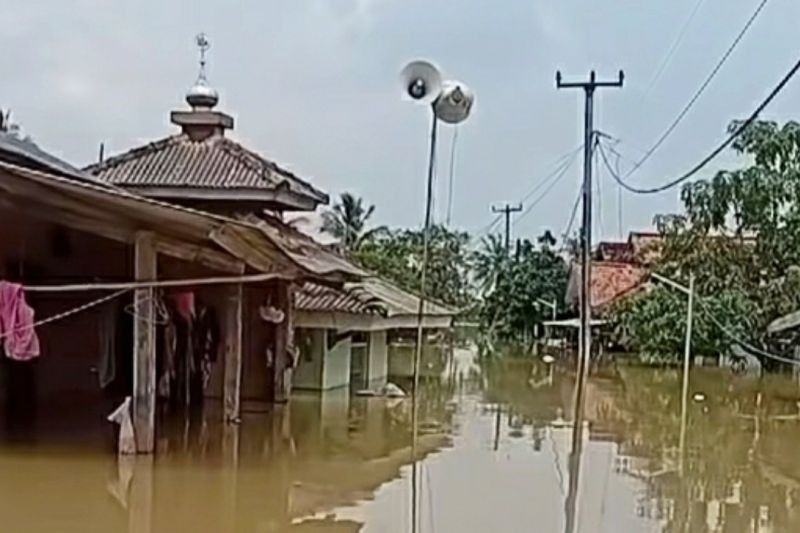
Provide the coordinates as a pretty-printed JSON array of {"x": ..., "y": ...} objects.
[{"x": 213, "y": 163}]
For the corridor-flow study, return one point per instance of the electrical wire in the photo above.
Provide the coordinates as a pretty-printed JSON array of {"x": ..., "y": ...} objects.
[
  {"x": 672, "y": 49},
  {"x": 700, "y": 90},
  {"x": 561, "y": 162},
  {"x": 710, "y": 157},
  {"x": 555, "y": 179},
  {"x": 572, "y": 217}
]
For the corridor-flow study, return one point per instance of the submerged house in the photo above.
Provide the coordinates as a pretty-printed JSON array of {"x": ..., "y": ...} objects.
[
  {"x": 203, "y": 168},
  {"x": 162, "y": 303},
  {"x": 354, "y": 335}
]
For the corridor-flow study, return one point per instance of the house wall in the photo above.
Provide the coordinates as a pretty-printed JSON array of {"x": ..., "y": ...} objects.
[
  {"x": 336, "y": 371},
  {"x": 378, "y": 359},
  {"x": 322, "y": 365},
  {"x": 311, "y": 343}
]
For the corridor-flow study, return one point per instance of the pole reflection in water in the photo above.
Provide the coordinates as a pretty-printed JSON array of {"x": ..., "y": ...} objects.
[{"x": 332, "y": 463}]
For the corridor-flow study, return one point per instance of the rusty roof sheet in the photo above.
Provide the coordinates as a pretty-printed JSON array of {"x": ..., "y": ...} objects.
[{"x": 214, "y": 163}]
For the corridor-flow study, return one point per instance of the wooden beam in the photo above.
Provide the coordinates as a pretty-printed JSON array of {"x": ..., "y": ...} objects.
[
  {"x": 232, "y": 338},
  {"x": 144, "y": 351},
  {"x": 282, "y": 378},
  {"x": 193, "y": 253}
]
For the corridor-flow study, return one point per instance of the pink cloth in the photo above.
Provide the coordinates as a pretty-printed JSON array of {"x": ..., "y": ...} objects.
[
  {"x": 16, "y": 323},
  {"x": 184, "y": 302}
]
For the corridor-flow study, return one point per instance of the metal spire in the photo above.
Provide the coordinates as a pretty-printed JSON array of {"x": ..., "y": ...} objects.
[{"x": 203, "y": 45}]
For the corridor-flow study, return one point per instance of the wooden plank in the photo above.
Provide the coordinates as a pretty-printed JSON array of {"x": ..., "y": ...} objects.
[
  {"x": 282, "y": 378},
  {"x": 144, "y": 352},
  {"x": 199, "y": 254},
  {"x": 233, "y": 336}
]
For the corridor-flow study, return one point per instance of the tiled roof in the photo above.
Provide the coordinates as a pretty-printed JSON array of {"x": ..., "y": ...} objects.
[
  {"x": 614, "y": 251},
  {"x": 610, "y": 281},
  {"x": 214, "y": 163},
  {"x": 314, "y": 297},
  {"x": 369, "y": 296}
]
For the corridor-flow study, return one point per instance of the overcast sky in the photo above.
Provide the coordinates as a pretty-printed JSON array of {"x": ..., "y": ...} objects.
[{"x": 313, "y": 85}]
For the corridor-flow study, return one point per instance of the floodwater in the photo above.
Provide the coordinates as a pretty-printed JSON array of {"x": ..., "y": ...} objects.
[{"x": 494, "y": 456}]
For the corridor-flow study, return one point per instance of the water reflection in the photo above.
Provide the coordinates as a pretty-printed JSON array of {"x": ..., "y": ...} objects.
[{"x": 494, "y": 456}]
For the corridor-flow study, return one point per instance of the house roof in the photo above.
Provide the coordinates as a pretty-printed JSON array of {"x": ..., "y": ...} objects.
[
  {"x": 25, "y": 152},
  {"x": 614, "y": 251},
  {"x": 181, "y": 165},
  {"x": 263, "y": 247},
  {"x": 611, "y": 280},
  {"x": 397, "y": 301},
  {"x": 320, "y": 298}
]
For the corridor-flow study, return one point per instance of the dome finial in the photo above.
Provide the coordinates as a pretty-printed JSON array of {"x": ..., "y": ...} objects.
[{"x": 201, "y": 96}]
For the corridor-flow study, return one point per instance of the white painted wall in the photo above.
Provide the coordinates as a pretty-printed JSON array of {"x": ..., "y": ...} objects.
[
  {"x": 336, "y": 370},
  {"x": 308, "y": 374},
  {"x": 377, "y": 359}
]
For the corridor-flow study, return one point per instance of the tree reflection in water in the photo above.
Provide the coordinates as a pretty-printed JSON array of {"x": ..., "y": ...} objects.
[{"x": 742, "y": 467}]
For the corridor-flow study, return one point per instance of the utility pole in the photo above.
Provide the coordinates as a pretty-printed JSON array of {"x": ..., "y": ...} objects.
[
  {"x": 507, "y": 210},
  {"x": 585, "y": 301}
]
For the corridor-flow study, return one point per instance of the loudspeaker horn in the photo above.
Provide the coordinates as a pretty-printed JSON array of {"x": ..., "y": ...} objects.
[
  {"x": 454, "y": 102},
  {"x": 421, "y": 81}
]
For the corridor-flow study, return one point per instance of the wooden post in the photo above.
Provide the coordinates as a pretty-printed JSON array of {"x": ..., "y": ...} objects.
[
  {"x": 144, "y": 351},
  {"x": 283, "y": 340},
  {"x": 233, "y": 333}
]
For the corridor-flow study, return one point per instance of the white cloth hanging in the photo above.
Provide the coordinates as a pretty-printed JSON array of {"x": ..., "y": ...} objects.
[{"x": 122, "y": 416}]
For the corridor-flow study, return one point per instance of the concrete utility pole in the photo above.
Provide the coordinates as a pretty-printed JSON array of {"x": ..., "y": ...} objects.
[
  {"x": 585, "y": 300},
  {"x": 507, "y": 210}
]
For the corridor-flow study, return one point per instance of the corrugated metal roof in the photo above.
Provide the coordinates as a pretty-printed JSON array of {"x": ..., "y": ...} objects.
[{"x": 214, "y": 163}]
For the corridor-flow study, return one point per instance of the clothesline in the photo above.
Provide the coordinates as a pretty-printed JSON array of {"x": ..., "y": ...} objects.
[
  {"x": 65, "y": 314},
  {"x": 132, "y": 285}
]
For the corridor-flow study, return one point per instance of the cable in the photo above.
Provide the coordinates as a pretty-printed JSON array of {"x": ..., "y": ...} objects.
[
  {"x": 560, "y": 164},
  {"x": 738, "y": 340},
  {"x": 565, "y": 234},
  {"x": 672, "y": 49},
  {"x": 700, "y": 91},
  {"x": 555, "y": 180},
  {"x": 738, "y": 131},
  {"x": 453, "y": 145}
]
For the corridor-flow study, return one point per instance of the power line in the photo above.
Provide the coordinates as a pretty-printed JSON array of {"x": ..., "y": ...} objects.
[
  {"x": 561, "y": 162},
  {"x": 698, "y": 167},
  {"x": 555, "y": 180},
  {"x": 700, "y": 91},
  {"x": 672, "y": 49}
]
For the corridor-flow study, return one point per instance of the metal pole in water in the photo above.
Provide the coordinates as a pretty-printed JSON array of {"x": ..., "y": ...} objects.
[
  {"x": 685, "y": 388},
  {"x": 420, "y": 329}
]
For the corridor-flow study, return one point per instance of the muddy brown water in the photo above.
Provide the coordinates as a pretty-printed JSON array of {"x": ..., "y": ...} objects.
[{"x": 494, "y": 456}]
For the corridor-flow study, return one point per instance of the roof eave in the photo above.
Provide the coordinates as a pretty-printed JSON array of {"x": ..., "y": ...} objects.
[{"x": 288, "y": 200}]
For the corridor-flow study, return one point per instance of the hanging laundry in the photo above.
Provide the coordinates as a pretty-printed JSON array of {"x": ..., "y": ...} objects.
[
  {"x": 122, "y": 416},
  {"x": 207, "y": 342},
  {"x": 16, "y": 323},
  {"x": 184, "y": 304}
]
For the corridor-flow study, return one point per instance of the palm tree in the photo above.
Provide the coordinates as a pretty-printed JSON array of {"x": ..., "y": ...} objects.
[
  {"x": 347, "y": 221},
  {"x": 490, "y": 261}
]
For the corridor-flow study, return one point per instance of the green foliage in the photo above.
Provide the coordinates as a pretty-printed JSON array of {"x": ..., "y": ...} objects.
[
  {"x": 740, "y": 237},
  {"x": 347, "y": 221},
  {"x": 397, "y": 255},
  {"x": 512, "y": 305}
]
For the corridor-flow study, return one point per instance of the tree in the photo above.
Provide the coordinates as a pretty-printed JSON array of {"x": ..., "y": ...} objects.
[
  {"x": 489, "y": 262},
  {"x": 397, "y": 255},
  {"x": 740, "y": 237},
  {"x": 511, "y": 309},
  {"x": 347, "y": 221}
]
